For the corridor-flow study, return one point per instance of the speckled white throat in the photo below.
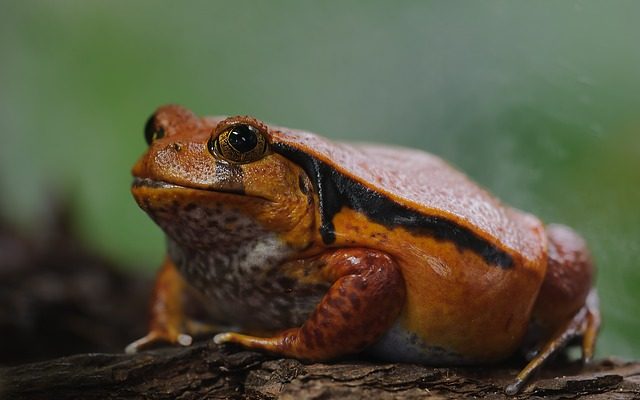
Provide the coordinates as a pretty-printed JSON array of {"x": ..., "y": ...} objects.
[{"x": 231, "y": 259}]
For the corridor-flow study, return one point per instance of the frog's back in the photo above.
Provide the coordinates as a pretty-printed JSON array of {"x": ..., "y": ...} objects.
[
  {"x": 456, "y": 242},
  {"x": 422, "y": 185}
]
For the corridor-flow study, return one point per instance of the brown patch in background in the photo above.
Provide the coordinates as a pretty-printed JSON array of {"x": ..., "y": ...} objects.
[{"x": 58, "y": 298}]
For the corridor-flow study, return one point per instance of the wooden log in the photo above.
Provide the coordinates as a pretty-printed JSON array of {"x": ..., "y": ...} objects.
[{"x": 206, "y": 370}]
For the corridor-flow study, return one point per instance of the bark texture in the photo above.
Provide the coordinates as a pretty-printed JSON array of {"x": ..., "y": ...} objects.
[{"x": 206, "y": 371}]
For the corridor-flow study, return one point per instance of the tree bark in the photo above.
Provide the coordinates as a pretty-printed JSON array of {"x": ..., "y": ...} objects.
[{"x": 206, "y": 371}]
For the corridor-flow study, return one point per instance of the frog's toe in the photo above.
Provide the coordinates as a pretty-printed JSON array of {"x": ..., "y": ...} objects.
[
  {"x": 225, "y": 337},
  {"x": 271, "y": 344},
  {"x": 591, "y": 325},
  {"x": 184, "y": 340},
  {"x": 139, "y": 344},
  {"x": 154, "y": 339}
]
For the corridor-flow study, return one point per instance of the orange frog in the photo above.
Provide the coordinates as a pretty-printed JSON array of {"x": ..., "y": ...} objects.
[{"x": 314, "y": 249}]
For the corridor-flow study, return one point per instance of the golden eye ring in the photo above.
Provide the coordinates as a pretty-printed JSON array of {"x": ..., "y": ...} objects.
[{"x": 239, "y": 143}]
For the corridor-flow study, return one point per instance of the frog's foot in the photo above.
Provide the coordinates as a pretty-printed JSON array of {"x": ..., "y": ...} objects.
[
  {"x": 157, "y": 338},
  {"x": 365, "y": 299},
  {"x": 585, "y": 324},
  {"x": 168, "y": 324}
]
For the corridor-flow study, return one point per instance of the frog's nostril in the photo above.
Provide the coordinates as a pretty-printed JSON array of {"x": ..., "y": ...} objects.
[{"x": 176, "y": 146}]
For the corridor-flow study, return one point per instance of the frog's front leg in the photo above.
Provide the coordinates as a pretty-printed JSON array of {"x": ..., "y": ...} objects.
[
  {"x": 366, "y": 297},
  {"x": 167, "y": 319}
]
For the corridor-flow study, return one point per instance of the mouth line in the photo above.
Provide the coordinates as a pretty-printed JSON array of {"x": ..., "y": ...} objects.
[
  {"x": 156, "y": 184},
  {"x": 152, "y": 183}
]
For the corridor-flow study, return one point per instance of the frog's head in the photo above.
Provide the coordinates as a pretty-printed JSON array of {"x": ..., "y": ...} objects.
[{"x": 202, "y": 177}]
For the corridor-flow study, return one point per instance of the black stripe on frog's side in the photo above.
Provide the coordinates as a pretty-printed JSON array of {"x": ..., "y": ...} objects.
[{"x": 336, "y": 190}]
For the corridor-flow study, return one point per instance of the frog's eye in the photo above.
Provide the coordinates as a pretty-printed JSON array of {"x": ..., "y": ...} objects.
[
  {"x": 239, "y": 143},
  {"x": 151, "y": 130}
]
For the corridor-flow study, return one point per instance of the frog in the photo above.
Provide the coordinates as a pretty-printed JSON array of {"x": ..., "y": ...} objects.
[{"x": 317, "y": 249}]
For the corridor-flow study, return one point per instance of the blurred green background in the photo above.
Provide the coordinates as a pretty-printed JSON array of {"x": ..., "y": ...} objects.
[{"x": 538, "y": 101}]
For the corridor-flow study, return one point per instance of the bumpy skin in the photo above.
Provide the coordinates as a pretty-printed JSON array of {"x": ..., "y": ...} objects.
[
  {"x": 365, "y": 298},
  {"x": 317, "y": 249}
]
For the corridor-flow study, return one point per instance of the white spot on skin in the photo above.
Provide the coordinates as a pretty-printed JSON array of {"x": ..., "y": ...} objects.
[
  {"x": 270, "y": 246},
  {"x": 353, "y": 260}
]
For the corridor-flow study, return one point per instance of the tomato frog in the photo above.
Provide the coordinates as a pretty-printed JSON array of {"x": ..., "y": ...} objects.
[{"x": 309, "y": 248}]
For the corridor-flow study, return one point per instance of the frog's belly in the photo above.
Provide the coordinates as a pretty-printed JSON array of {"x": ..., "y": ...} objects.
[
  {"x": 260, "y": 306},
  {"x": 246, "y": 290},
  {"x": 401, "y": 345}
]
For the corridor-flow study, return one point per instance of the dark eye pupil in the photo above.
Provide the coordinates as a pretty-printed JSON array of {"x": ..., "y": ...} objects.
[
  {"x": 151, "y": 132},
  {"x": 243, "y": 138}
]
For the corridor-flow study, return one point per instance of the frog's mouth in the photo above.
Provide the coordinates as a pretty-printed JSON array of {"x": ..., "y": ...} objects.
[
  {"x": 149, "y": 183},
  {"x": 155, "y": 184}
]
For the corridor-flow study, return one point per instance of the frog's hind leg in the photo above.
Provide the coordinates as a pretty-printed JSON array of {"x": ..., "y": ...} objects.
[
  {"x": 592, "y": 326},
  {"x": 584, "y": 324},
  {"x": 567, "y": 305},
  {"x": 366, "y": 297}
]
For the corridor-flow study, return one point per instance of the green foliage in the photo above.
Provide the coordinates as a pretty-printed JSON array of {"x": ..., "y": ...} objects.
[{"x": 538, "y": 101}]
